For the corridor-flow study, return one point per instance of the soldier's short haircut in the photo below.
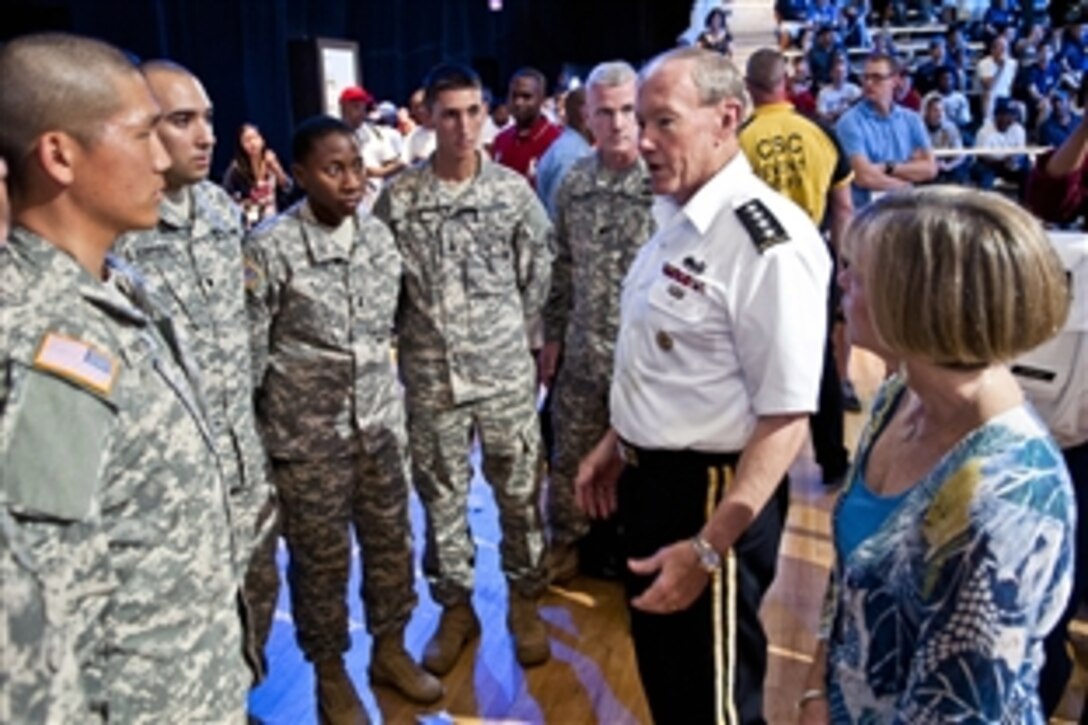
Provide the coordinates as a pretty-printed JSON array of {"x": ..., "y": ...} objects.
[
  {"x": 766, "y": 69},
  {"x": 164, "y": 65},
  {"x": 715, "y": 77},
  {"x": 529, "y": 72},
  {"x": 312, "y": 130},
  {"x": 54, "y": 82},
  {"x": 611, "y": 74},
  {"x": 448, "y": 77}
]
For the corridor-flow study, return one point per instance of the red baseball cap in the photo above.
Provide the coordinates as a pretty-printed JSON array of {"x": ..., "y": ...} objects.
[{"x": 355, "y": 93}]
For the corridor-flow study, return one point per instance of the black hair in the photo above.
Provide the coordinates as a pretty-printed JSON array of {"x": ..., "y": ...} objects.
[
  {"x": 710, "y": 16},
  {"x": 448, "y": 77},
  {"x": 242, "y": 161},
  {"x": 312, "y": 130},
  {"x": 530, "y": 72}
]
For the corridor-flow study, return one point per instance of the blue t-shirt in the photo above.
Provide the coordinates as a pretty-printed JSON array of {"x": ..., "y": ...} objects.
[
  {"x": 895, "y": 137},
  {"x": 861, "y": 514},
  {"x": 1053, "y": 133},
  {"x": 556, "y": 162}
]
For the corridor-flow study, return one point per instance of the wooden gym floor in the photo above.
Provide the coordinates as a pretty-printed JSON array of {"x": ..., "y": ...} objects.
[{"x": 591, "y": 677}]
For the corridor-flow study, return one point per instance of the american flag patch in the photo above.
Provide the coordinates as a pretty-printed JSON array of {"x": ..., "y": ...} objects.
[{"x": 78, "y": 361}]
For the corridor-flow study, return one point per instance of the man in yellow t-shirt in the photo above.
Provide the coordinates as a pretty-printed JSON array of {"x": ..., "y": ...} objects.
[
  {"x": 793, "y": 153},
  {"x": 803, "y": 161}
]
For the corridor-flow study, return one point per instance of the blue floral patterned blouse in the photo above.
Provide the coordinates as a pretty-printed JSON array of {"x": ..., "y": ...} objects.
[{"x": 940, "y": 615}]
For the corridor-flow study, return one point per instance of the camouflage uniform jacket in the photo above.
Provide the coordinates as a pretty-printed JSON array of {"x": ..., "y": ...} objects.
[
  {"x": 321, "y": 321},
  {"x": 193, "y": 270},
  {"x": 115, "y": 528},
  {"x": 602, "y": 219},
  {"x": 476, "y": 267}
]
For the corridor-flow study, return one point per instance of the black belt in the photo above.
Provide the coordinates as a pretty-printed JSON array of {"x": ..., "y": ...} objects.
[{"x": 638, "y": 457}]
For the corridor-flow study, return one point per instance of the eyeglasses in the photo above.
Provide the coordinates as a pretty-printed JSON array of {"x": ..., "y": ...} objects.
[{"x": 876, "y": 77}]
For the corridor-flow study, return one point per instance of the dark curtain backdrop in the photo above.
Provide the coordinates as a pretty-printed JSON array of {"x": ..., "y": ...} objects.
[{"x": 239, "y": 48}]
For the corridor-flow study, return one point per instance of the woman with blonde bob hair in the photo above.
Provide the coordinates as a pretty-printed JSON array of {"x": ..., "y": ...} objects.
[{"x": 954, "y": 534}]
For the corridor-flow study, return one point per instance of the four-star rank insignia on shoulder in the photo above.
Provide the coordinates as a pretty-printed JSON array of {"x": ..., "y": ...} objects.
[{"x": 762, "y": 226}]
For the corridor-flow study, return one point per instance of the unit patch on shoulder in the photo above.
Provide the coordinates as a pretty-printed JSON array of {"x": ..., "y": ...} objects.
[
  {"x": 762, "y": 226},
  {"x": 80, "y": 362},
  {"x": 254, "y": 276}
]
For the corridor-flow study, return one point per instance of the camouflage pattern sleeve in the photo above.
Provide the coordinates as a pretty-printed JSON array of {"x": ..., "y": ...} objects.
[
  {"x": 383, "y": 207},
  {"x": 557, "y": 308},
  {"x": 49, "y": 614},
  {"x": 534, "y": 249},
  {"x": 261, "y": 303},
  {"x": 54, "y": 557}
]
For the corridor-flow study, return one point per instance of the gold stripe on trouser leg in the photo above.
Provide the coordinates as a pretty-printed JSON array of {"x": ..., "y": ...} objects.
[
  {"x": 713, "y": 484},
  {"x": 731, "y": 618},
  {"x": 725, "y": 638}
]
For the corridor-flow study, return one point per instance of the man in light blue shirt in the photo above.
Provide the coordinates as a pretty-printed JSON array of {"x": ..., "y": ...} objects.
[
  {"x": 887, "y": 144},
  {"x": 572, "y": 145}
]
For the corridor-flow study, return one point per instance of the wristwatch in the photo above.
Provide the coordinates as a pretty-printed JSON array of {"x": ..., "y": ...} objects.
[
  {"x": 889, "y": 168},
  {"x": 709, "y": 558}
]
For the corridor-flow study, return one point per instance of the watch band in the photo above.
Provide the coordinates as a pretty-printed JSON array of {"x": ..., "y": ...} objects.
[{"x": 709, "y": 558}]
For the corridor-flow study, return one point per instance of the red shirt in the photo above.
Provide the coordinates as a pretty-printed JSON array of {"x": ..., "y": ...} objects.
[
  {"x": 912, "y": 100},
  {"x": 1059, "y": 199},
  {"x": 804, "y": 102},
  {"x": 521, "y": 150}
]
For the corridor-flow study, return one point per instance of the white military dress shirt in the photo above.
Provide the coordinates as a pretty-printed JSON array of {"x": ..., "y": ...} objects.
[{"x": 714, "y": 333}]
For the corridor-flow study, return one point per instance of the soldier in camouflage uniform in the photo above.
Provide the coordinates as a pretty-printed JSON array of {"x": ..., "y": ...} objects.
[
  {"x": 192, "y": 266},
  {"x": 323, "y": 283},
  {"x": 602, "y": 218},
  {"x": 477, "y": 257},
  {"x": 121, "y": 592},
  {"x": 4, "y": 212}
]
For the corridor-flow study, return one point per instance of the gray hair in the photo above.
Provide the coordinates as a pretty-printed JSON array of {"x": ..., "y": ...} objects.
[
  {"x": 715, "y": 77},
  {"x": 611, "y": 74},
  {"x": 766, "y": 69}
]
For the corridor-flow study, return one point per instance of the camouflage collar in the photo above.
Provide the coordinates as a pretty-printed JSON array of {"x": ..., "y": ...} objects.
[
  {"x": 47, "y": 257},
  {"x": 634, "y": 180},
  {"x": 474, "y": 196},
  {"x": 321, "y": 246},
  {"x": 64, "y": 272},
  {"x": 207, "y": 218}
]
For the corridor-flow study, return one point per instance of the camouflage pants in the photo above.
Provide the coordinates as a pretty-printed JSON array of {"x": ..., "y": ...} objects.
[
  {"x": 510, "y": 451},
  {"x": 262, "y": 590},
  {"x": 579, "y": 418},
  {"x": 321, "y": 500}
]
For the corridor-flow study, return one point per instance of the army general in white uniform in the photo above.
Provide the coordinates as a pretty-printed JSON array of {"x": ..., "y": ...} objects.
[{"x": 717, "y": 368}]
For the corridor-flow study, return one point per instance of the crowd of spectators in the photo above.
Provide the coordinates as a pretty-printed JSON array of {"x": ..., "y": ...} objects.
[{"x": 979, "y": 75}]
